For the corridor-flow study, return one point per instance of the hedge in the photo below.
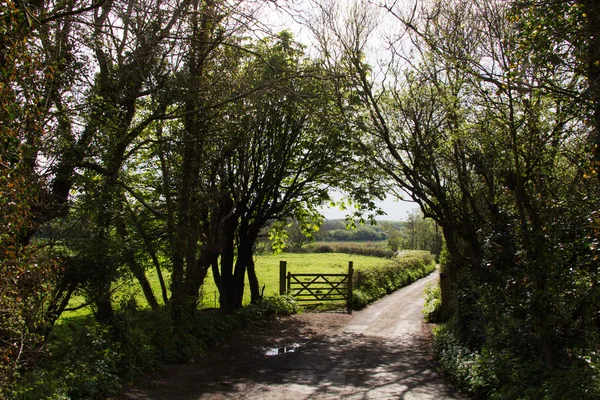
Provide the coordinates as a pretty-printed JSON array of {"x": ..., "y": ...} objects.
[
  {"x": 90, "y": 362},
  {"x": 346, "y": 249},
  {"x": 372, "y": 283},
  {"x": 500, "y": 374}
]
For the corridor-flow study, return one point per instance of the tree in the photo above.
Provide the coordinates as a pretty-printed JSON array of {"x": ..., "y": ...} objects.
[
  {"x": 198, "y": 205},
  {"x": 470, "y": 131},
  {"x": 423, "y": 234},
  {"x": 299, "y": 234},
  {"x": 32, "y": 291},
  {"x": 287, "y": 150},
  {"x": 130, "y": 55}
]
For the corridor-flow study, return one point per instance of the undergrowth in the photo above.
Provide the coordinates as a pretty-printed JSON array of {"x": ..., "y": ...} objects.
[
  {"x": 499, "y": 374},
  {"x": 88, "y": 361},
  {"x": 433, "y": 303}
]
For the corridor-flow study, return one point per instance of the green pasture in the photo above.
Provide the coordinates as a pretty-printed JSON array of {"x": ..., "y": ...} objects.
[{"x": 267, "y": 269}]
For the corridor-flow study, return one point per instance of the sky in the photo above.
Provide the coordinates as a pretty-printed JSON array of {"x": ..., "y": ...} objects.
[{"x": 396, "y": 210}]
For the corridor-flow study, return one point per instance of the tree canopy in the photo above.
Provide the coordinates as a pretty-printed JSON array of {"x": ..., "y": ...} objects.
[
  {"x": 168, "y": 136},
  {"x": 486, "y": 116}
]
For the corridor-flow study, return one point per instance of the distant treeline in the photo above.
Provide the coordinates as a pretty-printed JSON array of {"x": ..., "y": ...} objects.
[
  {"x": 336, "y": 231},
  {"x": 416, "y": 233}
]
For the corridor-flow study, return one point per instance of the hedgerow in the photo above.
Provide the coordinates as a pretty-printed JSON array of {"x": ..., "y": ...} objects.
[
  {"x": 365, "y": 251},
  {"x": 372, "y": 283},
  {"x": 89, "y": 361},
  {"x": 433, "y": 303},
  {"x": 500, "y": 374},
  {"x": 345, "y": 248}
]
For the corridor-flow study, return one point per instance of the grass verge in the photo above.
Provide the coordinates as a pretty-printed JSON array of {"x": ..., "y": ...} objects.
[{"x": 88, "y": 361}]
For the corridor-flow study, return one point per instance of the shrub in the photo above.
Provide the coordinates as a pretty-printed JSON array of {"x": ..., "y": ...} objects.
[
  {"x": 499, "y": 374},
  {"x": 374, "y": 283},
  {"x": 464, "y": 367},
  {"x": 89, "y": 361},
  {"x": 270, "y": 307},
  {"x": 279, "y": 306},
  {"x": 359, "y": 300},
  {"x": 433, "y": 303},
  {"x": 296, "y": 249},
  {"x": 323, "y": 248},
  {"x": 83, "y": 365}
]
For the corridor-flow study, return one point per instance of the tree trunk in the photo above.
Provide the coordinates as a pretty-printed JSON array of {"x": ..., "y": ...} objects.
[
  {"x": 151, "y": 251},
  {"x": 135, "y": 267},
  {"x": 139, "y": 274},
  {"x": 447, "y": 293},
  {"x": 104, "y": 312},
  {"x": 239, "y": 278},
  {"x": 227, "y": 283},
  {"x": 255, "y": 295},
  {"x": 448, "y": 277},
  {"x": 186, "y": 237}
]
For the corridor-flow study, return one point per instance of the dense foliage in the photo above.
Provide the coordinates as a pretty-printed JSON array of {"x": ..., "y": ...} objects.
[
  {"x": 86, "y": 361},
  {"x": 154, "y": 136},
  {"x": 497, "y": 374},
  {"x": 169, "y": 135},
  {"x": 488, "y": 116}
]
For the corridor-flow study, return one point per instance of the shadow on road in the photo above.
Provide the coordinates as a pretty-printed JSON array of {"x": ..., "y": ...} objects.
[{"x": 330, "y": 365}]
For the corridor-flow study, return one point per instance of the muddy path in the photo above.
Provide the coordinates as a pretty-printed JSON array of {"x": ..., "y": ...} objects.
[{"x": 380, "y": 352}]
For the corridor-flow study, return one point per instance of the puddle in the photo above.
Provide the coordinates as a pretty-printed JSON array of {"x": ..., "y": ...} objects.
[{"x": 277, "y": 351}]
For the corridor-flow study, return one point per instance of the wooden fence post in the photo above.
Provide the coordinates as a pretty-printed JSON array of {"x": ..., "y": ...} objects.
[
  {"x": 282, "y": 277},
  {"x": 350, "y": 275}
]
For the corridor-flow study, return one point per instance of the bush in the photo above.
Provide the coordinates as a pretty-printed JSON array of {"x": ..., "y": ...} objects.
[
  {"x": 270, "y": 307},
  {"x": 89, "y": 361},
  {"x": 433, "y": 303},
  {"x": 374, "y": 283},
  {"x": 365, "y": 251},
  {"x": 296, "y": 249},
  {"x": 359, "y": 300},
  {"x": 463, "y": 366},
  {"x": 83, "y": 365},
  {"x": 498, "y": 374},
  {"x": 323, "y": 248}
]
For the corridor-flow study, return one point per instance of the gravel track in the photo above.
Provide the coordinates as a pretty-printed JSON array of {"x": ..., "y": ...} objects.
[{"x": 380, "y": 352}]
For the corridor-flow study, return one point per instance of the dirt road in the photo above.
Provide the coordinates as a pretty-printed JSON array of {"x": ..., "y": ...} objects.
[{"x": 377, "y": 353}]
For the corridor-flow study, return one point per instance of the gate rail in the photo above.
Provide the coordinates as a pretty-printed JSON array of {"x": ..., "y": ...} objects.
[{"x": 316, "y": 288}]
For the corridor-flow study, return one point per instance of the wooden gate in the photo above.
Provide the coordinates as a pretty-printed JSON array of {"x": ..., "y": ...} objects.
[{"x": 317, "y": 288}]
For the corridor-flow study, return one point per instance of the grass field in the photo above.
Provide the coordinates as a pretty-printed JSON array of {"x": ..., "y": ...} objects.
[{"x": 267, "y": 269}]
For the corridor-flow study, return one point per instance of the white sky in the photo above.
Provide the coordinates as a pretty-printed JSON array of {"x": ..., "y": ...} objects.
[{"x": 395, "y": 210}]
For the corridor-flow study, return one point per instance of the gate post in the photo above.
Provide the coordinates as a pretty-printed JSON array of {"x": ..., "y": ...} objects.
[
  {"x": 350, "y": 274},
  {"x": 282, "y": 277}
]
